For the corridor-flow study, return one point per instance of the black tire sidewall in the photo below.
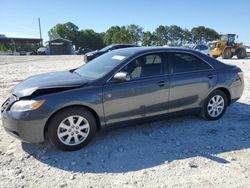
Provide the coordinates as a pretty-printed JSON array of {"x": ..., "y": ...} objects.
[
  {"x": 205, "y": 111},
  {"x": 60, "y": 116},
  {"x": 227, "y": 54},
  {"x": 241, "y": 54}
]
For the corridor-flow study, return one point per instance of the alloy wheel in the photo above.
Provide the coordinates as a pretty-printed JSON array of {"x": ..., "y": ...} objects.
[
  {"x": 73, "y": 130},
  {"x": 215, "y": 106}
]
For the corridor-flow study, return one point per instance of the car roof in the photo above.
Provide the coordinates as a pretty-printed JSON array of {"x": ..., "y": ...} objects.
[
  {"x": 135, "y": 50},
  {"x": 124, "y": 45}
]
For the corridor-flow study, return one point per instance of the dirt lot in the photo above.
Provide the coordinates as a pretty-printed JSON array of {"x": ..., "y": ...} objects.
[{"x": 177, "y": 152}]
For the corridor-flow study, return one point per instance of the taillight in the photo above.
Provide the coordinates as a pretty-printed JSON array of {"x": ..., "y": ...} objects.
[{"x": 240, "y": 75}]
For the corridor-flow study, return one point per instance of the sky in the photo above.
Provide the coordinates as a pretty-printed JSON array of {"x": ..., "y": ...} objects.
[{"x": 19, "y": 18}]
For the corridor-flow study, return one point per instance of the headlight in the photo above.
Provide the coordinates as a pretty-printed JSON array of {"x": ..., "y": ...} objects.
[{"x": 26, "y": 105}]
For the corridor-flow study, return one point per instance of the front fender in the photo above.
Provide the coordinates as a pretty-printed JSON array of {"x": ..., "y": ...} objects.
[{"x": 90, "y": 97}]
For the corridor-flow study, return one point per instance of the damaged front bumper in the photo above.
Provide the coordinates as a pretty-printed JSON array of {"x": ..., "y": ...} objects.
[{"x": 21, "y": 125}]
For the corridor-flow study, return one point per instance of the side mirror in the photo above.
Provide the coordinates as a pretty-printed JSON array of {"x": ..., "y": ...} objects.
[{"x": 121, "y": 77}]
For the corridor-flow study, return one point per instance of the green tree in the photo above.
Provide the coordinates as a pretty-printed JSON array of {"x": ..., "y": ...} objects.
[
  {"x": 108, "y": 37},
  {"x": 187, "y": 36},
  {"x": 122, "y": 36},
  {"x": 84, "y": 38},
  {"x": 88, "y": 38},
  {"x": 148, "y": 39},
  {"x": 161, "y": 35},
  {"x": 176, "y": 35},
  {"x": 211, "y": 35},
  {"x": 202, "y": 34},
  {"x": 67, "y": 30},
  {"x": 136, "y": 33},
  {"x": 3, "y": 48},
  {"x": 198, "y": 34}
]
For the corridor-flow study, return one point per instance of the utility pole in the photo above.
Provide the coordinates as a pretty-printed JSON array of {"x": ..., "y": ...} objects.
[{"x": 40, "y": 31}]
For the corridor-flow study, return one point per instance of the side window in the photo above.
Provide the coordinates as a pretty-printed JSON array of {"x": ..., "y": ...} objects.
[
  {"x": 145, "y": 66},
  {"x": 181, "y": 62}
]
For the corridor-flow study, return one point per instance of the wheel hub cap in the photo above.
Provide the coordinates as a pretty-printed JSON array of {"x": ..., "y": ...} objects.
[
  {"x": 73, "y": 130},
  {"x": 216, "y": 106}
]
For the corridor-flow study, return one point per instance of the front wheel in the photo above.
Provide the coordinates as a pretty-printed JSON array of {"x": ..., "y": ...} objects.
[
  {"x": 215, "y": 105},
  {"x": 72, "y": 128},
  {"x": 227, "y": 53}
]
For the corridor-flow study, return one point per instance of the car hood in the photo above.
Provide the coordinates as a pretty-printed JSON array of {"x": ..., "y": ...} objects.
[{"x": 55, "y": 80}]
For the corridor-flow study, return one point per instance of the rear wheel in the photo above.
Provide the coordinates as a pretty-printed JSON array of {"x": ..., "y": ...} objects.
[
  {"x": 241, "y": 53},
  {"x": 215, "y": 105},
  {"x": 72, "y": 128},
  {"x": 227, "y": 53}
]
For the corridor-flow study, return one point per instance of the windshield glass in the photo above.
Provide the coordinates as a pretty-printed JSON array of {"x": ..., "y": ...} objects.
[
  {"x": 106, "y": 48},
  {"x": 101, "y": 66}
]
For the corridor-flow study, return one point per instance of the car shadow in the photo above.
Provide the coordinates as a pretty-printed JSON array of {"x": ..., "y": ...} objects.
[{"x": 145, "y": 146}]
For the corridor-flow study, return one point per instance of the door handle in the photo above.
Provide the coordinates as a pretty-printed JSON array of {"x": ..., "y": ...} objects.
[{"x": 161, "y": 83}]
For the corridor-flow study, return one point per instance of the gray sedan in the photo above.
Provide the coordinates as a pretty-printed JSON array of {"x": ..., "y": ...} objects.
[{"x": 125, "y": 85}]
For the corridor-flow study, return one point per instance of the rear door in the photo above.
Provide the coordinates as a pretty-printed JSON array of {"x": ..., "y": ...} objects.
[
  {"x": 191, "y": 78},
  {"x": 146, "y": 94}
]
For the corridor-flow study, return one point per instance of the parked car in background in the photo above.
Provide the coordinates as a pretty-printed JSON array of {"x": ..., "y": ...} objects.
[
  {"x": 203, "y": 48},
  {"x": 33, "y": 52},
  {"x": 43, "y": 51},
  {"x": 248, "y": 50},
  {"x": 92, "y": 55},
  {"x": 83, "y": 51},
  {"x": 128, "y": 84}
]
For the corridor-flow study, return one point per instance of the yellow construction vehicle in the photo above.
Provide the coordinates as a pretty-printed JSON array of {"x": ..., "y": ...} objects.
[{"x": 226, "y": 47}]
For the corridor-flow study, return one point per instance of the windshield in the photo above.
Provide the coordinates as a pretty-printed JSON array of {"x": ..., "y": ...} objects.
[
  {"x": 101, "y": 65},
  {"x": 106, "y": 48}
]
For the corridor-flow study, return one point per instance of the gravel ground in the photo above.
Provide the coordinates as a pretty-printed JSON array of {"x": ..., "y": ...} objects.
[{"x": 175, "y": 152}]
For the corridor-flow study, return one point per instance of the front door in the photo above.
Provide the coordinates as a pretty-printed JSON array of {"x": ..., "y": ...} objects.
[{"x": 146, "y": 94}]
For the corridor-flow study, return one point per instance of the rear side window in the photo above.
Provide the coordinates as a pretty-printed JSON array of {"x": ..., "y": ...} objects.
[{"x": 182, "y": 62}]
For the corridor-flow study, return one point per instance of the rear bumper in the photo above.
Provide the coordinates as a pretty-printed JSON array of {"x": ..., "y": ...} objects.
[
  {"x": 236, "y": 91},
  {"x": 31, "y": 131}
]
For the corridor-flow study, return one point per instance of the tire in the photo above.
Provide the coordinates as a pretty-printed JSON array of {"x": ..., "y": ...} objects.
[
  {"x": 212, "y": 111},
  {"x": 227, "y": 53},
  {"x": 241, "y": 53},
  {"x": 72, "y": 128}
]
